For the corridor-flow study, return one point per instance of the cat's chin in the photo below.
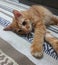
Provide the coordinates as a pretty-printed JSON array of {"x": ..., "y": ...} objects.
[{"x": 27, "y": 32}]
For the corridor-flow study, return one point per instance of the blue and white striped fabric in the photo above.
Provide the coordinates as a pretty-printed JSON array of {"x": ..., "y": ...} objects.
[{"x": 47, "y": 48}]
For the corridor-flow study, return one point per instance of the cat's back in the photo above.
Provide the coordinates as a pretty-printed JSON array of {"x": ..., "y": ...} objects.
[
  {"x": 41, "y": 9},
  {"x": 39, "y": 12}
]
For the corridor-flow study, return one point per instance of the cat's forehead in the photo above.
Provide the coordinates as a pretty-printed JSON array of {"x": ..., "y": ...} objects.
[{"x": 23, "y": 19}]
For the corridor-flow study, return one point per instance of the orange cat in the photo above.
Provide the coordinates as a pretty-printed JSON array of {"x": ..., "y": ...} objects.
[{"x": 36, "y": 17}]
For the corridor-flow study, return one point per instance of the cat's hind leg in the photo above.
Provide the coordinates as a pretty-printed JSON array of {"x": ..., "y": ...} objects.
[
  {"x": 54, "y": 19},
  {"x": 52, "y": 40}
]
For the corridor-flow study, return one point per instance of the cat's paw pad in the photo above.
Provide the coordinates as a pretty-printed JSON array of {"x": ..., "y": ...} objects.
[{"x": 36, "y": 52}]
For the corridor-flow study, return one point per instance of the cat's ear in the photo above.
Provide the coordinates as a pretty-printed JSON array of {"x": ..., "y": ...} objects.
[
  {"x": 8, "y": 28},
  {"x": 16, "y": 13}
]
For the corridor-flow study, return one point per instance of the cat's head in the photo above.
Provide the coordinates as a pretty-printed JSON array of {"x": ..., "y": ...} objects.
[{"x": 20, "y": 24}]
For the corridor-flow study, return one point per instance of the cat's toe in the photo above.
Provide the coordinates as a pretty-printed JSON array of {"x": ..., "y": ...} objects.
[
  {"x": 37, "y": 51},
  {"x": 37, "y": 54}
]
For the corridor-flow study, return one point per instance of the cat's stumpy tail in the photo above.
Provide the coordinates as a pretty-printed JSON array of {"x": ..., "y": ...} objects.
[{"x": 55, "y": 19}]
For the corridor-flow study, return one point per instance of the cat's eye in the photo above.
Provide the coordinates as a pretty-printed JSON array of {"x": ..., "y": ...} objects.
[
  {"x": 24, "y": 23},
  {"x": 19, "y": 30}
]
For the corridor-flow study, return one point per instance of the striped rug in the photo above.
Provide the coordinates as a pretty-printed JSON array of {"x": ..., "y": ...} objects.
[{"x": 10, "y": 56}]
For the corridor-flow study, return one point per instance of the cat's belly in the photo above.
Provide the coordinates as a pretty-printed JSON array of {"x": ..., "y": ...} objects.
[{"x": 47, "y": 20}]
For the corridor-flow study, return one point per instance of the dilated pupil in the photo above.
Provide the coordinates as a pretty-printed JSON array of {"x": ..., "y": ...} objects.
[{"x": 24, "y": 23}]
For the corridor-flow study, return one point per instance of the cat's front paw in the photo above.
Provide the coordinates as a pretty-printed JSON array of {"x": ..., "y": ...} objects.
[{"x": 37, "y": 51}]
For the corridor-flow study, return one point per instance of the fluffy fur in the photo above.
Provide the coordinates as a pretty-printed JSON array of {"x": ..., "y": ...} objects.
[{"x": 37, "y": 18}]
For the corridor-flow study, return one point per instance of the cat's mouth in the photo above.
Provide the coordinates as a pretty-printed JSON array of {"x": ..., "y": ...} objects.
[{"x": 21, "y": 32}]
